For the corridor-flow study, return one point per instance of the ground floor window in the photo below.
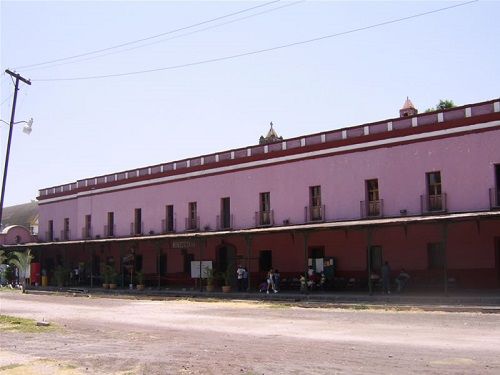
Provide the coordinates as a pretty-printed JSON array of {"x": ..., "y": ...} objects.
[{"x": 435, "y": 255}]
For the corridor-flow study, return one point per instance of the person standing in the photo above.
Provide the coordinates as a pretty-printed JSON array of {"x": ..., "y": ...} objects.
[
  {"x": 245, "y": 279},
  {"x": 277, "y": 279},
  {"x": 386, "y": 278},
  {"x": 270, "y": 281},
  {"x": 239, "y": 275}
]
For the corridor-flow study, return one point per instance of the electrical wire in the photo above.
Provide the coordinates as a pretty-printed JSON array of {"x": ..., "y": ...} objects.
[
  {"x": 146, "y": 38},
  {"x": 7, "y": 98},
  {"x": 167, "y": 39},
  {"x": 397, "y": 20}
]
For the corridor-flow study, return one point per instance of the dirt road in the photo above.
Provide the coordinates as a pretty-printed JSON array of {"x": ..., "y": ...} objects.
[{"x": 102, "y": 336}]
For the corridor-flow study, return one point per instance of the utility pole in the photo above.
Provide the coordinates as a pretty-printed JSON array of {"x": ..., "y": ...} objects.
[{"x": 11, "y": 126}]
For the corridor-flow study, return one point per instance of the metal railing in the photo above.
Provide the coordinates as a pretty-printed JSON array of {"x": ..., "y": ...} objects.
[
  {"x": 135, "y": 230},
  {"x": 371, "y": 208},
  {"x": 168, "y": 226},
  {"x": 494, "y": 198},
  {"x": 314, "y": 213},
  {"x": 264, "y": 218},
  {"x": 193, "y": 223},
  {"x": 49, "y": 235},
  {"x": 224, "y": 222},
  {"x": 433, "y": 203},
  {"x": 65, "y": 235},
  {"x": 87, "y": 232},
  {"x": 109, "y": 230}
]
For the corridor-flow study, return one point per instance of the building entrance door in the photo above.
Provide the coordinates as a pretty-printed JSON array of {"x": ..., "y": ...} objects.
[{"x": 226, "y": 259}]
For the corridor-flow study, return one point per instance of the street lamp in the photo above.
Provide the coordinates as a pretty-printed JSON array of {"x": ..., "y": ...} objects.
[{"x": 27, "y": 128}]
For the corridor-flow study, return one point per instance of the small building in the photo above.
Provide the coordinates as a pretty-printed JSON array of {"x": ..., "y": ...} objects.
[{"x": 420, "y": 191}]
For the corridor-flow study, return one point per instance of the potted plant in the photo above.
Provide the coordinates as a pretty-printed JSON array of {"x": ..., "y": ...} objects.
[
  {"x": 140, "y": 280},
  {"x": 210, "y": 274},
  {"x": 228, "y": 277},
  {"x": 60, "y": 274}
]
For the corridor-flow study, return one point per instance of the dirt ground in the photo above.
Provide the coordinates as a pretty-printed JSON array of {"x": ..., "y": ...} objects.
[{"x": 123, "y": 336}]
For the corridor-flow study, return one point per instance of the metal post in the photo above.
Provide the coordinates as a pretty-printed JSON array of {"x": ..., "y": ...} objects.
[
  {"x": 11, "y": 126},
  {"x": 248, "y": 240},
  {"x": 200, "y": 243},
  {"x": 445, "y": 262},
  {"x": 369, "y": 252},
  {"x": 306, "y": 263}
]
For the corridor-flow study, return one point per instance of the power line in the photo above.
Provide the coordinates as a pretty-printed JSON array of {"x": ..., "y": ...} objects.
[
  {"x": 146, "y": 38},
  {"x": 256, "y": 51},
  {"x": 165, "y": 40}
]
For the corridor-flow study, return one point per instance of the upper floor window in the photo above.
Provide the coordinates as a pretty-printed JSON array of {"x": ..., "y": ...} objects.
[
  {"x": 225, "y": 213},
  {"x": 87, "y": 229},
  {"x": 495, "y": 191},
  {"x": 435, "y": 198},
  {"x": 65, "y": 234},
  {"x": 314, "y": 213},
  {"x": 50, "y": 231},
  {"x": 109, "y": 230},
  {"x": 192, "y": 219},
  {"x": 265, "y": 215},
  {"x": 373, "y": 204},
  {"x": 137, "y": 221},
  {"x": 169, "y": 219}
]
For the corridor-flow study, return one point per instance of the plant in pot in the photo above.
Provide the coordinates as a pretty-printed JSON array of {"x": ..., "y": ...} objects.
[
  {"x": 228, "y": 277},
  {"x": 140, "y": 280},
  {"x": 210, "y": 274},
  {"x": 113, "y": 276},
  {"x": 60, "y": 274}
]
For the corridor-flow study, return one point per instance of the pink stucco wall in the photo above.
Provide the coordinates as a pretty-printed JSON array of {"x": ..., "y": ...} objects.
[
  {"x": 15, "y": 234},
  {"x": 466, "y": 164}
]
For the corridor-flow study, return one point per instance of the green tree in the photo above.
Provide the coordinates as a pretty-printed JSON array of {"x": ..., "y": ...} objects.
[
  {"x": 22, "y": 260},
  {"x": 443, "y": 104},
  {"x": 3, "y": 257}
]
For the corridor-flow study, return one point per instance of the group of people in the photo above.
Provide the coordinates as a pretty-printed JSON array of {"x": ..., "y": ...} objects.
[
  {"x": 272, "y": 282},
  {"x": 401, "y": 280}
]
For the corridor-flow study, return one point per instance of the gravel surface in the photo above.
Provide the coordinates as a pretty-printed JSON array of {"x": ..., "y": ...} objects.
[{"x": 127, "y": 336}]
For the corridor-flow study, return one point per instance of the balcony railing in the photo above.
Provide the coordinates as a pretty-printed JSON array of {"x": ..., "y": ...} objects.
[
  {"x": 49, "y": 235},
  {"x": 371, "y": 208},
  {"x": 87, "y": 232},
  {"x": 109, "y": 230},
  {"x": 433, "y": 203},
  {"x": 224, "y": 222},
  {"x": 494, "y": 198},
  {"x": 193, "y": 223},
  {"x": 168, "y": 226},
  {"x": 65, "y": 235},
  {"x": 314, "y": 213},
  {"x": 136, "y": 230},
  {"x": 264, "y": 218}
]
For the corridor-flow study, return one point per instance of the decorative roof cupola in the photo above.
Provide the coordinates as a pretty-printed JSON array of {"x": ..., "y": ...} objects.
[
  {"x": 408, "y": 109},
  {"x": 271, "y": 137}
]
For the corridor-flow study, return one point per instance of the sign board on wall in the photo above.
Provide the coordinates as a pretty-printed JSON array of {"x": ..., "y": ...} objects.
[
  {"x": 183, "y": 244},
  {"x": 195, "y": 268}
]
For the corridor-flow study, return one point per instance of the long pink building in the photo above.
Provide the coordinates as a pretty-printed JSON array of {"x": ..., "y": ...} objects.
[{"x": 420, "y": 191}]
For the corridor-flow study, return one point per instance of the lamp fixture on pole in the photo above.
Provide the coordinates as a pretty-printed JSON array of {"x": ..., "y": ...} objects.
[{"x": 26, "y": 129}]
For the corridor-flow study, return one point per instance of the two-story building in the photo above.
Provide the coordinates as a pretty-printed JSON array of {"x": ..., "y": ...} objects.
[{"x": 420, "y": 191}]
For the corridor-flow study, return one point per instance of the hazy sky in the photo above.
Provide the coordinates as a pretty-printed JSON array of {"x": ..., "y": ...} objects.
[{"x": 85, "y": 128}]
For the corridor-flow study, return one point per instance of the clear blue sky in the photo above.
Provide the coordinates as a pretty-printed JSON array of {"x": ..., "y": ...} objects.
[{"x": 87, "y": 128}]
